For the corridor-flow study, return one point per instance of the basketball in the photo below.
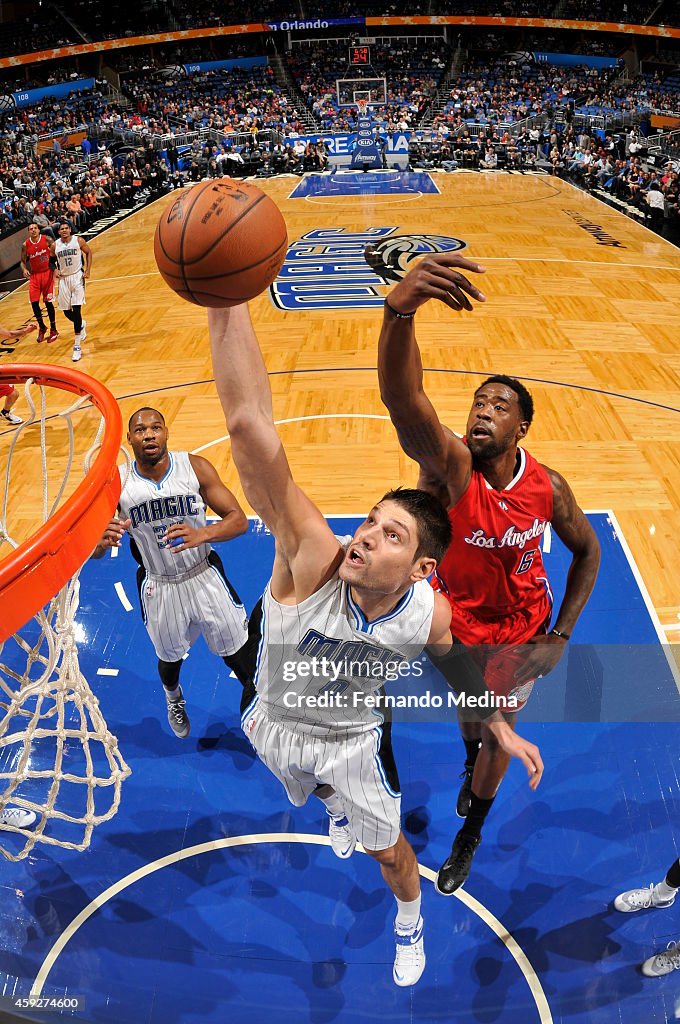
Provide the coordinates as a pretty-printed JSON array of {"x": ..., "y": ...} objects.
[{"x": 220, "y": 243}]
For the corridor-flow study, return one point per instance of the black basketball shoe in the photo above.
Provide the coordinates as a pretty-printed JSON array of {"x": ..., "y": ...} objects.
[
  {"x": 463, "y": 801},
  {"x": 455, "y": 870}
]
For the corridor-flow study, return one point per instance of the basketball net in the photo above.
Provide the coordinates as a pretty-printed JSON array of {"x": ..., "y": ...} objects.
[{"x": 58, "y": 758}]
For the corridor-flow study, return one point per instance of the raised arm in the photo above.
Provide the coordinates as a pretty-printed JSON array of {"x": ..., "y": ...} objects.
[
  {"x": 443, "y": 459},
  {"x": 307, "y": 551}
]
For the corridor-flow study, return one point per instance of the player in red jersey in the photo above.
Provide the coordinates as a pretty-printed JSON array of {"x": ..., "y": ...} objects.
[
  {"x": 36, "y": 267},
  {"x": 500, "y": 501}
]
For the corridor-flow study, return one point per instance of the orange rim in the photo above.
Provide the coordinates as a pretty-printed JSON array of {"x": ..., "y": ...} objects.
[{"x": 32, "y": 574}]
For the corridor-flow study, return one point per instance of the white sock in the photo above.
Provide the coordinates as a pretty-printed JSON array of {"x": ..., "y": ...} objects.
[
  {"x": 333, "y": 805},
  {"x": 664, "y": 892},
  {"x": 175, "y": 694},
  {"x": 408, "y": 913}
]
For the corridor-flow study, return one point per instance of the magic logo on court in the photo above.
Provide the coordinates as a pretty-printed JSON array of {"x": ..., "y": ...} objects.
[{"x": 332, "y": 268}]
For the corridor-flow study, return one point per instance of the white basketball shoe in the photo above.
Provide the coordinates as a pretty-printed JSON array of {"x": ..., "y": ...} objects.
[
  {"x": 343, "y": 840},
  {"x": 409, "y": 962},
  {"x": 17, "y": 817}
]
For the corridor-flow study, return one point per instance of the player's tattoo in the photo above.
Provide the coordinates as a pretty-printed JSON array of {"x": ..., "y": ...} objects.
[{"x": 420, "y": 439}]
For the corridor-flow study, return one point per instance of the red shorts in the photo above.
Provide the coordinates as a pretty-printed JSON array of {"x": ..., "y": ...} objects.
[
  {"x": 6, "y": 389},
  {"x": 41, "y": 285},
  {"x": 497, "y": 645}
]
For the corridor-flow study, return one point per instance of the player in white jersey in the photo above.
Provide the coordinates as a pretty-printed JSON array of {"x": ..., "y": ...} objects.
[
  {"x": 183, "y": 590},
  {"x": 365, "y": 602},
  {"x": 73, "y": 259}
]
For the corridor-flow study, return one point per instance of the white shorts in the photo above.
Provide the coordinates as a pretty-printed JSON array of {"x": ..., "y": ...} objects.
[
  {"x": 71, "y": 291},
  {"x": 352, "y": 766},
  {"x": 175, "y": 614}
]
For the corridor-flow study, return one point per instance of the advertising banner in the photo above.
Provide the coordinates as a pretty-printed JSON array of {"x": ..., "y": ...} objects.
[
  {"x": 28, "y": 97},
  {"x": 224, "y": 65},
  {"x": 569, "y": 60},
  {"x": 300, "y": 24}
]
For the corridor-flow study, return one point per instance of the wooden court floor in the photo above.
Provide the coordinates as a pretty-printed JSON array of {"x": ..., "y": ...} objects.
[{"x": 592, "y": 328}]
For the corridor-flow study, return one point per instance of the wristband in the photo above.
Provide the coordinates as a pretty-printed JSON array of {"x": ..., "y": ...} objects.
[
  {"x": 399, "y": 316},
  {"x": 559, "y": 633}
]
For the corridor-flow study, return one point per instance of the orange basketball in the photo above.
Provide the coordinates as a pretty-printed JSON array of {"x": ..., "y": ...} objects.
[{"x": 220, "y": 243}]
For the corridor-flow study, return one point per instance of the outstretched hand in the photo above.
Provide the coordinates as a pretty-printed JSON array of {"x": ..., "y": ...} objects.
[
  {"x": 517, "y": 746},
  {"x": 540, "y": 655},
  {"x": 442, "y": 277}
]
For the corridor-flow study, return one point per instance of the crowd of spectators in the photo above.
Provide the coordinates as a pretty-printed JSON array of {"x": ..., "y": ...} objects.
[
  {"x": 199, "y": 13},
  {"x": 117, "y": 19},
  {"x": 489, "y": 90},
  {"x": 212, "y": 160},
  {"x": 45, "y": 27},
  {"x": 618, "y": 166},
  {"x": 240, "y": 99},
  {"x": 40, "y": 31},
  {"x": 61, "y": 115},
  {"x": 495, "y": 90},
  {"x": 154, "y": 58},
  {"x": 60, "y": 185},
  {"x": 631, "y": 12}
]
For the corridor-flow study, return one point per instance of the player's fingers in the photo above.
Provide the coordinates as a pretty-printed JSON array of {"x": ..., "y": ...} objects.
[
  {"x": 450, "y": 300},
  {"x": 446, "y": 297},
  {"x": 451, "y": 279},
  {"x": 452, "y": 259},
  {"x": 176, "y": 530},
  {"x": 448, "y": 287},
  {"x": 534, "y": 765}
]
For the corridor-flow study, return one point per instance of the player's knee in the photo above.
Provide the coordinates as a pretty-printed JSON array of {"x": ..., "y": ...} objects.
[
  {"x": 491, "y": 745},
  {"x": 389, "y": 858},
  {"x": 243, "y": 424}
]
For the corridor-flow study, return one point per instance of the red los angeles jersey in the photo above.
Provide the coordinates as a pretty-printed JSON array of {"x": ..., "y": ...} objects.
[
  {"x": 494, "y": 567},
  {"x": 38, "y": 255}
]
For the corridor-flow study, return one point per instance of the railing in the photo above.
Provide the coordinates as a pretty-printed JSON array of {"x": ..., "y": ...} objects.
[
  {"x": 663, "y": 139},
  {"x": 376, "y": 39}
]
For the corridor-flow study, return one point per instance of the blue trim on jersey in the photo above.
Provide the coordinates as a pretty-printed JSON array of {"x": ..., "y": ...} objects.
[
  {"x": 261, "y": 643},
  {"x": 153, "y": 482},
  {"x": 367, "y": 626},
  {"x": 546, "y": 584},
  {"x": 145, "y": 615},
  {"x": 229, "y": 593},
  {"x": 253, "y": 704},
  {"x": 381, "y": 768}
]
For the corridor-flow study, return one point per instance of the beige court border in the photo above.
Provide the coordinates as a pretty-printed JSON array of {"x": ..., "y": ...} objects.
[{"x": 501, "y": 932}]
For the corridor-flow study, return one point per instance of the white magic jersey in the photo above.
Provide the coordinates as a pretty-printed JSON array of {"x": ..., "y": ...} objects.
[
  {"x": 153, "y": 507},
  {"x": 325, "y": 647},
  {"x": 69, "y": 256}
]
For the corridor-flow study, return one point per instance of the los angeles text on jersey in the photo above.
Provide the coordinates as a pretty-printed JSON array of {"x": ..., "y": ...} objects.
[{"x": 512, "y": 538}]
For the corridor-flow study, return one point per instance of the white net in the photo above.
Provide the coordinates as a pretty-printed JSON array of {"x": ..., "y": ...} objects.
[
  {"x": 361, "y": 92},
  {"x": 60, "y": 767}
]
